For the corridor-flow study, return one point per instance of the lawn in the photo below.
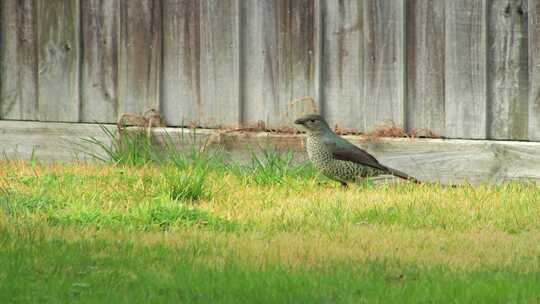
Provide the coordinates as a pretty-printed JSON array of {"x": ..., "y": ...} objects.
[{"x": 197, "y": 229}]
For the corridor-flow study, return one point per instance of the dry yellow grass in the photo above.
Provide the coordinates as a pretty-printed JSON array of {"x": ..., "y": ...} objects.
[{"x": 297, "y": 224}]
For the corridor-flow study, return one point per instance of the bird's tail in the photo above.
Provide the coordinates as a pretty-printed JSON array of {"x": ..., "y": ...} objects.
[{"x": 402, "y": 175}]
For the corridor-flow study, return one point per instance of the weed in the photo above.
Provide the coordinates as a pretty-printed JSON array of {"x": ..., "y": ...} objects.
[
  {"x": 127, "y": 148},
  {"x": 272, "y": 167},
  {"x": 188, "y": 184}
]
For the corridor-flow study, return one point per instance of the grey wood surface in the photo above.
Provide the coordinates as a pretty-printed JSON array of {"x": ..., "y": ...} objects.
[
  {"x": 280, "y": 50},
  {"x": 460, "y": 68},
  {"x": 466, "y": 83},
  {"x": 18, "y": 60},
  {"x": 182, "y": 51},
  {"x": 219, "y": 63},
  {"x": 99, "y": 74},
  {"x": 459, "y": 161},
  {"x": 343, "y": 75},
  {"x": 139, "y": 56},
  {"x": 431, "y": 160},
  {"x": 425, "y": 65},
  {"x": 384, "y": 58},
  {"x": 534, "y": 69},
  {"x": 50, "y": 141},
  {"x": 58, "y": 25},
  {"x": 507, "y": 70},
  {"x": 253, "y": 58}
]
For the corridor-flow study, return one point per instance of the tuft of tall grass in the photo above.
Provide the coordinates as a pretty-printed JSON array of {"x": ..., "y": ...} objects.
[
  {"x": 185, "y": 184},
  {"x": 271, "y": 167},
  {"x": 266, "y": 166},
  {"x": 125, "y": 148},
  {"x": 184, "y": 172},
  {"x": 136, "y": 148}
]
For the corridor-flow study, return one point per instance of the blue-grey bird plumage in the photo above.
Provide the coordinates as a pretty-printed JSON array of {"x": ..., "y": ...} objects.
[{"x": 336, "y": 157}]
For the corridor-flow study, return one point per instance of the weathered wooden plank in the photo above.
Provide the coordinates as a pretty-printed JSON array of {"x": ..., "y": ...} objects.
[
  {"x": 181, "y": 94},
  {"x": 50, "y": 141},
  {"x": 139, "y": 56},
  {"x": 343, "y": 69},
  {"x": 202, "y": 62},
  {"x": 99, "y": 70},
  {"x": 534, "y": 69},
  {"x": 18, "y": 60},
  {"x": 220, "y": 63},
  {"x": 434, "y": 160},
  {"x": 384, "y": 63},
  {"x": 507, "y": 70},
  {"x": 425, "y": 65},
  {"x": 280, "y": 50},
  {"x": 458, "y": 161},
  {"x": 465, "y": 102},
  {"x": 253, "y": 57},
  {"x": 58, "y": 26}
]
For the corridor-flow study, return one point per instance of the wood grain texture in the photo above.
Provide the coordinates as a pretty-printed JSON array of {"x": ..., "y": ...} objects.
[
  {"x": 181, "y": 85},
  {"x": 534, "y": 69},
  {"x": 384, "y": 63},
  {"x": 99, "y": 70},
  {"x": 507, "y": 70},
  {"x": 219, "y": 63},
  {"x": 50, "y": 141},
  {"x": 458, "y": 161},
  {"x": 279, "y": 52},
  {"x": 139, "y": 56},
  {"x": 343, "y": 64},
  {"x": 18, "y": 60},
  {"x": 425, "y": 65},
  {"x": 466, "y": 79},
  {"x": 58, "y": 60},
  {"x": 467, "y": 68},
  {"x": 432, "y": 160},
  {"x": 253, "y": 59}
]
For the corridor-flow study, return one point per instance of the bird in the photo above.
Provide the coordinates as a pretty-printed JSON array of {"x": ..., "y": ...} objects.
[{"x": 337, "y": 158}]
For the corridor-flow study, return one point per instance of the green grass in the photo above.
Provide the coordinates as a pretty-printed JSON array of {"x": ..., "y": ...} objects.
[
  {"x": 163, "y": 226},
  {"x": 94, "y": 270}
]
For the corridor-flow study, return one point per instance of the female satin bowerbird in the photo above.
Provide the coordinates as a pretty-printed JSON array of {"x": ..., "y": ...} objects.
[{"x": 336, "y": 157}]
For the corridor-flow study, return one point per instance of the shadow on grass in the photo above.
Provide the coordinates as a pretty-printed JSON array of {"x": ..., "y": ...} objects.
[{"x": 37, "y": 269}]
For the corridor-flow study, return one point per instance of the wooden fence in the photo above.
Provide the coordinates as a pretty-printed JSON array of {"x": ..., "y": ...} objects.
[{"x": 460, "y": 68}]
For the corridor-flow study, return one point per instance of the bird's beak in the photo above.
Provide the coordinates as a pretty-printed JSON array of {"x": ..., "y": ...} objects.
[{"x": 299, "y": 121}]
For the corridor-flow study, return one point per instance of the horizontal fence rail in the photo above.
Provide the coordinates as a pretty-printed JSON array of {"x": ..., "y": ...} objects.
[{"x": 460, "y": 68}]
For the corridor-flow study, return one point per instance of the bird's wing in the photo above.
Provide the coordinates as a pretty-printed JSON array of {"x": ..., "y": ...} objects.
[{"x": 344, "y": 150}]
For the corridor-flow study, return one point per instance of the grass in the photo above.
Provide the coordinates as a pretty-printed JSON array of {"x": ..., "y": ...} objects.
[{"x": 193, "y": 228}]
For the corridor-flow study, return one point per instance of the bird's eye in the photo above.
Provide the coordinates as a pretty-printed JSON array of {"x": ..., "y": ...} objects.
[{"x": 312, "y": 120}]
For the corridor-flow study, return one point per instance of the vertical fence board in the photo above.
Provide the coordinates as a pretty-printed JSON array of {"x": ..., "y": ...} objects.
[
  {"x": 99, "y": 102},
  {"x": 257, "y": 14},
  {"x": 220, "y": 63},
  {"x": 425, "y": 65},
  {"x": 139, "y": 55},
  {"x": 507, "y": 70},
  {"x": 18, "y": 60},
  {"x": 343, "y": 58},
  {"x": 284, "y": 53},
  {"x": 58, "y": 60},
  {"x": 465, "y": 107},
  {"x": 181, "y": 55},
  {"x": 534, "y": 69},
  {"x": 384, "y": 63}
]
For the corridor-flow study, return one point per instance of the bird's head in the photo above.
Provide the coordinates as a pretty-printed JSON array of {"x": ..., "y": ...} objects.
[{"x": 312, "y": 123}]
